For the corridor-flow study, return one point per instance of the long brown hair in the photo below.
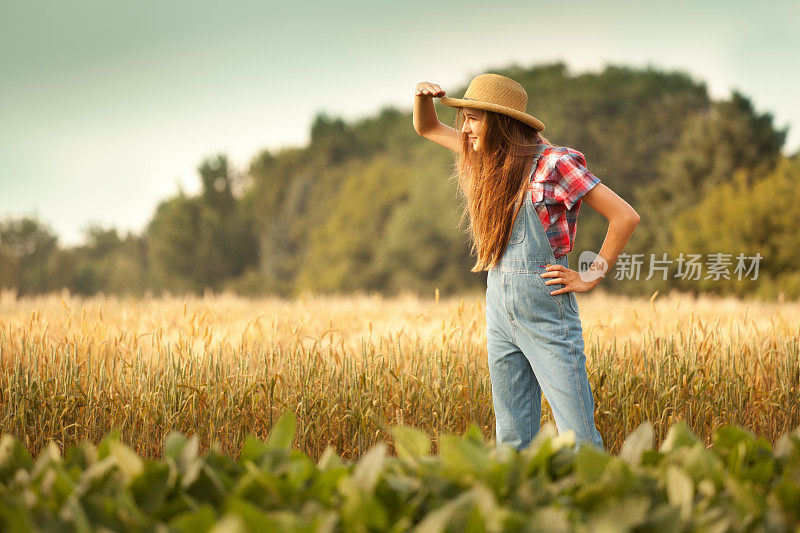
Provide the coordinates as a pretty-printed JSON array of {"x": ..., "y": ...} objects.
[{"x": 491, "y": 181}]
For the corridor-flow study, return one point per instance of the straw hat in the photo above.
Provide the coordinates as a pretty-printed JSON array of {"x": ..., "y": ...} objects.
[{"x": 497, "y": 93}]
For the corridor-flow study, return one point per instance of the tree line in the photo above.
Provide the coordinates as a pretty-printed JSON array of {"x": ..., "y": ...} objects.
[{"x": 371, "y": 206}]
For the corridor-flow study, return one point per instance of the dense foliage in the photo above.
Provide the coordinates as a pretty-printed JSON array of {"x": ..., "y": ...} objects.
[{"x": 739, "y": 484}]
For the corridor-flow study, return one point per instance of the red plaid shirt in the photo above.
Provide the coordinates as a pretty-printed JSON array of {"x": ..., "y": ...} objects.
[{"x": 559, "y": 180}]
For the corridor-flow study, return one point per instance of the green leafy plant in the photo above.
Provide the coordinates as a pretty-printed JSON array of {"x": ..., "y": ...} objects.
[{"x": 471, "y": 485}]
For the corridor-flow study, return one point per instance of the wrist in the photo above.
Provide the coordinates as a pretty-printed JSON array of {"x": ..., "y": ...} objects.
[{"x": 594, "y": 273}]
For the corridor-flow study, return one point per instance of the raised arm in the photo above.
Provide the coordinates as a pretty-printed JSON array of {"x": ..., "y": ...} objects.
[{"x": 427, "y": 124}]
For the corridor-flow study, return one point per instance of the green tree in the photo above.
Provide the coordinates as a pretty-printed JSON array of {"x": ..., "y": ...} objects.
[
  {"x": 27, "y": 250},
  {"x": 331, "y": 140},
  {"x": 750, "y": 215},
  {"x": 341, "y": 250},
  {"x": 92, "y": 260},
  {"x": 172, "y": 236},
  {"x": 423, "y": 247},
  {"x": 729, "y": 136},
  {"x": 107, "y": 263},
  {"x": 198, "y": 243},
  {"x": 276, "y": 205}
]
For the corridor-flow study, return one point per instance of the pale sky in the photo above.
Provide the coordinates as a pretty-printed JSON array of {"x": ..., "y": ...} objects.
[{"x": 106, "y": 107}]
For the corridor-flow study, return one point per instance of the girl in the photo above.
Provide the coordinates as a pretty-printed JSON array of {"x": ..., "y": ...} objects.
[{"x": 523, "y": 195}]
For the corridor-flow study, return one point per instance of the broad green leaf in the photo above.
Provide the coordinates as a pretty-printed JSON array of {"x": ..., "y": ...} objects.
[
  {"x": 82, "y": 455},
  {"x": 253, "y": 450},
  {"x": 198, "y": 521},
  {"x": 639, "y": 441},
  {"x": 701, "y": 463},
  {"x": 562, "y": 463},
  {"x": 746, "y": 496},
  {"x": 329, "y": 460},
  {"x": 103, "y": 449},
  {"x": 362, "y": 510},
  {"x": 463, "y": 457},
  {"x": 257, "y": 519},
  {"x": 13, "y": 456},
  {"x": 590, "y": 463},
  {"x": 621, "y": 514},
  {"x": 258, "y": 485},
  {"x": 63, "y": 485},
  {"x": 565, "y": 439},
  {"x": 369, "y": 468},
  {"x": 50, "y": 455},
  {"x": 619, "y": 476},
  {"x": 410, "y": 442},
  {"x": 403, "y": 485},
  {"x": 727, "y": 438},
  {"x": 680, "y": 489},
  {"x": 492, "y": 515},
  {"x": 174, "y": 444},
  {"x": 325, "y": 482},
  {"x": 224, "y": 467},
  {"x": 206, "y": 485},
  {"x": 536, "y": 457},
  {"x": 787, "y": 448},
  {"x": 282, "y": 434},
  {"x": 183, "y": 453},
  {"x": 436, "y": 520},
  {"x": 651, "y": 458},
  {"x": 299, "y": 470},
  {"x": 679, "y": 435},
  {"x": 731, "y": 444},
  {"x": 149, "y": 488},
  {"x": 128, "y": 462},
  {"x": 746, "y": 456}
]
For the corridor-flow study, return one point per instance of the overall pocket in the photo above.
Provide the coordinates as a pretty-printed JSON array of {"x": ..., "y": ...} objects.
[
  {"x": 564, "y": 300},
  {"x": 573, "y": 302}
]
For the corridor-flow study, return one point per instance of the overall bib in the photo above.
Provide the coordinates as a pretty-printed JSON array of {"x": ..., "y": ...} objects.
[{"x": 535, "y": 341}]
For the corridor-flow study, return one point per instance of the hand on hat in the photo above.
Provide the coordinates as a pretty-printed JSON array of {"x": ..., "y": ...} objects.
[{"x": 425, "y": 88}]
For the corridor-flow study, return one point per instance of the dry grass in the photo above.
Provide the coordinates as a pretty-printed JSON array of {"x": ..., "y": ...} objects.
[{"x": 224, "y": 366}]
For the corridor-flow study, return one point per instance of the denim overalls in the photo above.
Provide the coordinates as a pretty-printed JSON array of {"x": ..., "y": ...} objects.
[{"x": 535, "y": 341}]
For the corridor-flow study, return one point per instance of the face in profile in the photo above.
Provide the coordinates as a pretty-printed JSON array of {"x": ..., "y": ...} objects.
[{"x": 473, "y": 126}]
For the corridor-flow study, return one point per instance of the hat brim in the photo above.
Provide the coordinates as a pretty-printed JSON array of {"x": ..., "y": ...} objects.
[{"x": 530, "y": 120}]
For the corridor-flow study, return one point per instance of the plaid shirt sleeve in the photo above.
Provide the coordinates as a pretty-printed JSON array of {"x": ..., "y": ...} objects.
[{"x": 571, "y": 178}]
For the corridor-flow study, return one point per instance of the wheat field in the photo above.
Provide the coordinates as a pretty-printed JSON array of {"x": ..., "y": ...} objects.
[{"x": 223, "y": 366}]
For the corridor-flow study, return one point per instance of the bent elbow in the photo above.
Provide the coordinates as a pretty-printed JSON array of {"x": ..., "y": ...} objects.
[
  {"x": 633, "y": 217},
  {"x": 629, "y": 218}
]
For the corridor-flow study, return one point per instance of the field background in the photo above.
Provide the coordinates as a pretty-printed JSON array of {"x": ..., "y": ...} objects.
[{"x": 224, "y": 366}]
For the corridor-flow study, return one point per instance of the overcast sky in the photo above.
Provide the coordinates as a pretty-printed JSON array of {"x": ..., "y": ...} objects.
[{"x": 107, "y": 107}]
